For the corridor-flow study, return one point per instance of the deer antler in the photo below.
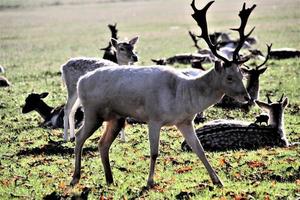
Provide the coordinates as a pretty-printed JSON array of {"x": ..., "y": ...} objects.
[
  {"x": 269, "y": 100},
  {"x": 267, "y": 57},
  {"x": 193, "y": 36},
  {"x": 114, "y": 31},
  {"x": 280, "y": 100},
  {"x": 244, "y": 15},
  {"x": 200, "y": 18}
]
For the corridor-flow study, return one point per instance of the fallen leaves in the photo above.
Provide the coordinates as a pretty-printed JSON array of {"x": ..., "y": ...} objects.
[
  {"x": 183, "y": 169},
  {"x": 255, "y": 164}
]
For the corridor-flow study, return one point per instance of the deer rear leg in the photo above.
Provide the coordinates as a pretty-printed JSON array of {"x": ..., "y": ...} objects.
[
  {"x": 67, "y": 110},
  {"x": 189, "y": 134},
  {"x": 112, "y": 130},
  {"x": 91, "y": 124}
]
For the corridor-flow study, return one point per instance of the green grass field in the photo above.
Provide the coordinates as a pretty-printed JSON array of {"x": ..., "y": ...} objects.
[{"x": 37, "y": 36}]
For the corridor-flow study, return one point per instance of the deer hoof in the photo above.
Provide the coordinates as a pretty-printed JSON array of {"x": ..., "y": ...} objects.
[
  {"x": 151, "y": 184},
  {"x": 218, "y": 183},
  {"x": 74, "y": 181},
  {"x": 72, "y": 139}
]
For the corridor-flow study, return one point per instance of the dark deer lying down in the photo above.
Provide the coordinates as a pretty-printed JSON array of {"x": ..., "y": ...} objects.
[
  {"x": 222, "y": 135},
  {"x": 284, "y": 53},
  {"x": 184, "y": 58},
  {"x": 53, "y": 117},
  {"x": 4, "y": 82},
  {"x": 252, "y": 86}
]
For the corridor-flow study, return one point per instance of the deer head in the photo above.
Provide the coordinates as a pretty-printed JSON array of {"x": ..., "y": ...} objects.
[
  {"x": 32, "y": 101},
  {"x": 275, "y": 110},
  {"x": 258, "y": 69},
  {"x": 253, "y": 74},
  {"x": 229, "y": 72},
  {"x": 125, "y": 51}
]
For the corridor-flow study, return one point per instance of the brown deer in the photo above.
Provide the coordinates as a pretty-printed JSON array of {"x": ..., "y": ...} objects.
[{"x": 222, "y": 135}]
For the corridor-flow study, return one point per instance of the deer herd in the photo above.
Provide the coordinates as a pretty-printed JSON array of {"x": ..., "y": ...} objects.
[{"x": 114, "y": 89}]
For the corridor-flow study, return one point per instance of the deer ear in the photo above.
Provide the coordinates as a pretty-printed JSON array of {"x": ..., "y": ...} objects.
[
  {"x": 285, "y": 102},
  {"x": 134, "y": 40},
  {"x": 262, "y": 70},
  {"x": 43, "y": 95},
  {"x": 114, "y": 42},
  {"x": 262, "y": 105},
  {"x": 218, "y": 66}
]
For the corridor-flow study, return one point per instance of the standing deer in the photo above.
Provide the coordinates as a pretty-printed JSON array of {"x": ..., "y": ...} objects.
[
  {"x": 159, "y": 96},
  {"x": 252, "y": 86},
  {"x": 222, "y": 135},
  {"x": 73, "y": 69}
]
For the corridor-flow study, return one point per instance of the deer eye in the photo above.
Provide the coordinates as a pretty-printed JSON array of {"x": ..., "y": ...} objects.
[{"x": 122, "y": 49}]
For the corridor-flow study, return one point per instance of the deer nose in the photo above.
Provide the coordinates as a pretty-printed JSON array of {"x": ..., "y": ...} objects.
[{"x": 134, "y": 58}]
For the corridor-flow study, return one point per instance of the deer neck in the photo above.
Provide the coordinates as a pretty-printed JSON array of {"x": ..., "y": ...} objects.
[
  {"x": 253, "y": 87},
  {"x": 203, "y": 92},
  {"x": 121, "y": 61},
  {"x": 44, "y": 110},
  {"x": 276, "y": 120}
]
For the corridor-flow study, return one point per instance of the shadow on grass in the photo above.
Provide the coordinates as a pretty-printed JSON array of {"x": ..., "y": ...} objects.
[{"x": 53, "y": 148}]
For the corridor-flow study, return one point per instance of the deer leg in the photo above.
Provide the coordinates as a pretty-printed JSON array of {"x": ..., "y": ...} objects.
[
  {"x": 67, "y": 110},
  {"x": 112, "y": 130},
  {"x": 91, "y": 124},
  {"x": 154, "y": 131},
  {"x": 189, "y": 134}
]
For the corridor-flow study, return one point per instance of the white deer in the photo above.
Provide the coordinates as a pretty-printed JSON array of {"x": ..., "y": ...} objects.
[
  {"x": 159, "y": 96},
  {"x": 73, "y": 69}
]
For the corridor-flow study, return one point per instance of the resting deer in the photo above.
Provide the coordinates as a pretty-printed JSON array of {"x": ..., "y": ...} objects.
[
  {"x": 252, "y": 86},
  {"x": 221, "y": 135},
  {"x": 284, "y": 53},
  {"x": 184, "y": 58},
  {"x": 73, "y": 69},
  {"x": 4, "y": 82},
  {"x": 159, "y": 96},
  {"x": 53, "y": 117}
]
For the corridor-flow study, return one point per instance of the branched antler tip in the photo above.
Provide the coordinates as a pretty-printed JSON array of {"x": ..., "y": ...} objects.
[
  {"x": 193, "y": 6},
  {"x": 269, "y": 100},
  {"x": 203, "y": 9},
  {"x": 280, "y": 100}
]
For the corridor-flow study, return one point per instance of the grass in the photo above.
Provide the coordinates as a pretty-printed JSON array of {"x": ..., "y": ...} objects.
[{"x": 36, "y": 37}]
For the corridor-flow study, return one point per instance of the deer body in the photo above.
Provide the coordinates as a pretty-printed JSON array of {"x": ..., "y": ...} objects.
[
  {"x": 222, "y": 135},
  {"x": 160, "y": 96},
  {"x": 172, "y": 98},
  {"x": 76, "y": 67}
]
